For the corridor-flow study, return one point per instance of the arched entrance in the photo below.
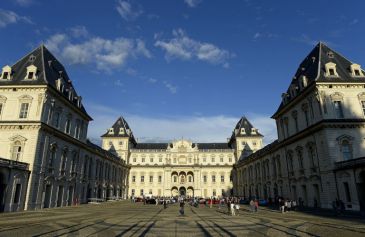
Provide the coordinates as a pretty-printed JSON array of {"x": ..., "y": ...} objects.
[
  {"x": 190, "y": 192},
  {"x": 174, "y": 191},
  {"x": 182, "y": 191}
]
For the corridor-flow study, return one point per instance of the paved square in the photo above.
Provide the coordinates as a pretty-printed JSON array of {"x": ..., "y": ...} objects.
[{"x": 135, "y": 219}]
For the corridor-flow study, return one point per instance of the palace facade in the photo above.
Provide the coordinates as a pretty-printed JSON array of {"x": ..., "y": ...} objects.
[
  {"x": 319, "y": 155},
  {"x": 45, "y": 157},
  {"x": 47, "y": 161},
  {"x": 181, "y": 167}
]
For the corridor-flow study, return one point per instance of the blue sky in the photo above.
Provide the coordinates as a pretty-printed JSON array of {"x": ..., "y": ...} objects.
[{"x": 181, "y": 68}]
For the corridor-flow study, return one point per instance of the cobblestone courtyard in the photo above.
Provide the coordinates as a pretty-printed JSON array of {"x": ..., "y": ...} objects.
[{"x": 127, "y": 219}]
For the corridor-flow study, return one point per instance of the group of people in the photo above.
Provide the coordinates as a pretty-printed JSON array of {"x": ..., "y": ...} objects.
[{"x": 286, "y": 205}]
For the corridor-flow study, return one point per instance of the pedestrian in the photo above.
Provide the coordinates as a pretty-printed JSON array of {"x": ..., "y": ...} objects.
[
  {"x": 252, "y": 205},
  {"x": 256, "y": 205},
  {"x": 237, "y": 206},
  {"x": 282, "y": 205},
  {"x": 233, "y": 213},
  {"x": 211, "y": 203},
  {"x": 182, "y": 204},
  {"x": 228, "y": 205},
  {"x": 289, "y": 205},
  {"x": 164, "y": 203}
]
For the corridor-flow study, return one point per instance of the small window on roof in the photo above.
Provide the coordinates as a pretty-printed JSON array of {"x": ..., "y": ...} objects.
[
  {"x": 31, "y": 73},
  {"x": 331, "y": 70},
  {"x": 356, "y": 70},
  {"x": 330, "y": 54},
  {"x": 6, "y": 73}
]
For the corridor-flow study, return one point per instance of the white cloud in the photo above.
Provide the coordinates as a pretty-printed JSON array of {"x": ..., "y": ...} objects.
[
  {"x": 152, "y": 80},
  {"x": 10, "y": 17},
  {"x": 192, "y": 3},
  {"x": 105, "y": 54},
  {"x": 24, "y": 3},
  {"x": 198, "y": 128},
  {"x": 172, "y": 88},
  {"x": 79, "y": 31},
  {"x": 185, "y": 48},
  {"x": 127, "y": 11}
]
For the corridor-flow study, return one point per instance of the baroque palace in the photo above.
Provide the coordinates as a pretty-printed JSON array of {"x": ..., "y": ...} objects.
[{"x": 47, "y": 161}]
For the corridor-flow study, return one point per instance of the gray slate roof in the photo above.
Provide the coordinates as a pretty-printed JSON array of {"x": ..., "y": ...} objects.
[
  {"x": 313, "y": 68},
  {"x": 49, "y": 70},
  {"x": 121, "y": 123}
]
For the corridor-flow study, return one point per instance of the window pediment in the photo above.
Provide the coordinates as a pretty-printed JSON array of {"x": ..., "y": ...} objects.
[
  {"x": 18, "y": 138},
  {"x": 337, "y": 96}
]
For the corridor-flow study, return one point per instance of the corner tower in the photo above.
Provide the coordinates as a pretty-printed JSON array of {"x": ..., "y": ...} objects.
[
  {"x": 119, "y": 139},
  {"x": 245, "y": 138}
]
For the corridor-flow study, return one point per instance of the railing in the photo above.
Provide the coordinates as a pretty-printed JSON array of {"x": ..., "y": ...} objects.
[
  {"x": 350, "y": 163},
  {"x": 96, "y": 200},
  {"x": 14, "y": 164}
]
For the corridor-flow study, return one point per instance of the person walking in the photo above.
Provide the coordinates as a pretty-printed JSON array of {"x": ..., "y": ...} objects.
[
  {"x": 182, "y": 204},
  {"x": 256, "y": 205},
  {"x": 233, "y": 213},
  {"x": 252, "y": 205},
  {"x": 164, "y": 203}
]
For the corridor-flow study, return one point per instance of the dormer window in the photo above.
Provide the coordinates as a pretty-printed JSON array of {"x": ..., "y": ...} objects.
[
  {"x": 331, "y": 70},
  {"x": 356, "y": 70},
  {"x": 121, "y": 130},
  {"x": 253, "y": 130},
  {"x": 111, "y": 130},
  {"x": 304, "y": 81},
  {"x": 6, "y": 73},
  {"x": 31, "y": 73},
  {"x": 243, "y": 131}
]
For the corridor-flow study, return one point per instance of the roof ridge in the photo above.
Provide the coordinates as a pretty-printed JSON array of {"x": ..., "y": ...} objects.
[{"x": 43, "y": 63}]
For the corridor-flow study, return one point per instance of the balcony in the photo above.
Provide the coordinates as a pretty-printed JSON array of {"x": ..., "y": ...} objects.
[
  {"x": 358, "y": 162},
  {"x": 14, "y": 164}
]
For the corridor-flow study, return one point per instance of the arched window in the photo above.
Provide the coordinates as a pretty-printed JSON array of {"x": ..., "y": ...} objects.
[
  {"x": 17, "y": 151},
  {"x": 346, "y": 150}
]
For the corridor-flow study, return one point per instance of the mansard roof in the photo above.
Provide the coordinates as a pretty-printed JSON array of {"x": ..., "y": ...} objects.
[
  {"x": 212, "y": 146},
  {"x": 105, "y": 153},
  {"x": 49, "y": 70},
  {"x": 151, "y": 146},
  {"x": 314, "y": 70},
  {"x": 163, "y": 146},
  {"x": 121, "y": 123},
  {"x": 244, "y": 123}
]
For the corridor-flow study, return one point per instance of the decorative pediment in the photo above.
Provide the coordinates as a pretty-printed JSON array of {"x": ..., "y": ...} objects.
[
  {"x": 182, "y": 146},
  {"x": 25, "y": 98},
  {"x": 18, "y": 138},
  {"x": 337, "y": 96}
]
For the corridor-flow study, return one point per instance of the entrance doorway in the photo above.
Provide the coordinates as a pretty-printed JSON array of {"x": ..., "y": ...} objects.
[
  {"x": 2, "y": 192},
  {"x": 47, "y": 197},
  {"x": 60, "y": 196},
  {"x": 182, "y": 191},
  {"x": 361, "y": 191}
]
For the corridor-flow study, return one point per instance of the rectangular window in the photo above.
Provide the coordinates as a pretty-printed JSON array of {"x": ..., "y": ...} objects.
[
  {"x": 306, "y": 117},
  {"x": 141, "y": 192},
  {"x": 160, "y": 159},
  {"x": 362, "y": 104},
  {"x": 150, "y": 191},
  {"x": 221, "y": 159},
  {"x": 213, "y": 159},
  {"x": 24, "y": 110},
  {"x": 133, "y": 192},
  {"x": 213, "y": 178},
  {"x": 134, "y": 159},
  {"x": 142, "y": 159},
  {"x": 133, "y": 178},
  {"x": 214, "y": 193},
  {"x": 347, "y": 191},
  {"x": 30, "y": 75},
  {"x": 204, "y": 159},
  {"x": 151, "y": 179},
  {"x": 151, "y": 160},
  {"x": 222, "y": 178},
  {"x": 338, "y": 109},
  {"x": 230, "y": 159},
  {"x": 331, "y": 71},
  {"x": 142, "y": 178},
  {"x": 357, "y": 72},
  {"x": 204, "y": 178},
  {"x": 1, "y": 108},
  {"x": 56, "y": 119},
  {"x": 160, "y": 179}
]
